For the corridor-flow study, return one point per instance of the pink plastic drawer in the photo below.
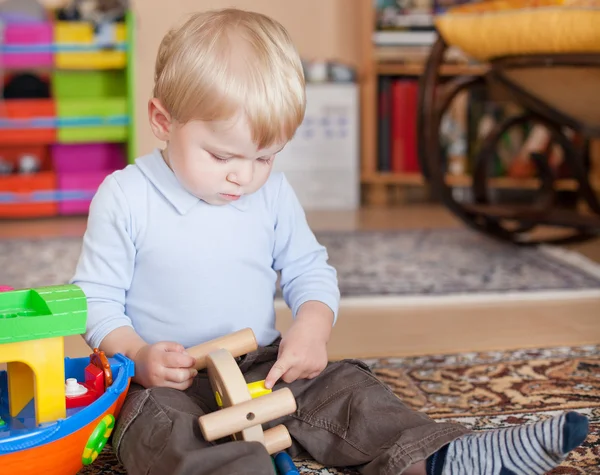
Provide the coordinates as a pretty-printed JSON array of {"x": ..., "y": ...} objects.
[
  {"x": 27, "y": 45},
  {"x": 84, "y": 185},
  {"x": 80, "y": 170},
  {"x": 74, "y": 158}
]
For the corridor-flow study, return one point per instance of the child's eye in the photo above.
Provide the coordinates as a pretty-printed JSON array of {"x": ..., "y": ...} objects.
[
  {"x": 267, "y": 160},
  {"x": 219, "y": 159}
]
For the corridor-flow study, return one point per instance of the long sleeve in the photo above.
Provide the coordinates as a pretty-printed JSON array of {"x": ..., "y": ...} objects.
[
  {"x": 105, "y": 266},
  {"x": 302, "y": 260}
]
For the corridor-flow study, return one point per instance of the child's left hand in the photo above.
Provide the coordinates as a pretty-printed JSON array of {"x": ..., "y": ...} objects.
[{"x": 303, "y": 348}]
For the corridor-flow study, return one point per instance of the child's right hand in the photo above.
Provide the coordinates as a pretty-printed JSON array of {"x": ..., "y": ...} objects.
[{"x": 164, "y": 364}]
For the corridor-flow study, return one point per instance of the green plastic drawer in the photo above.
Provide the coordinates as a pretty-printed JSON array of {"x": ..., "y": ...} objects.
[
  {"x": 92, "y": 120},
  {"x": 88, "y": 84}
]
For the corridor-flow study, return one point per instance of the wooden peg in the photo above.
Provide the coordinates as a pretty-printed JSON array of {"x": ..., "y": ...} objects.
[
  {"x": 247, "y": 414},
  {"x": 277, "y": 439},
  {"x": 238, "y": 344}
]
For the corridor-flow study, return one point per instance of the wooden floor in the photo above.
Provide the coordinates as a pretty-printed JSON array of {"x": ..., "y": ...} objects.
[{"x": 371, "y": 331}]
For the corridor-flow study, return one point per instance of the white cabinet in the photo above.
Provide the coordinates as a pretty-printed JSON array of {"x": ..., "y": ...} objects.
[{"x": 321, "y": 162}]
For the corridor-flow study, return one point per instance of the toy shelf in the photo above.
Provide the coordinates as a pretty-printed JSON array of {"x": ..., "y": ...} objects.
[
  {"x": 416, "y": 69},
  {"x": 59, "y": 142},
  {"x": 416, "y": 179},
  {"x": 390, "y": 75}
]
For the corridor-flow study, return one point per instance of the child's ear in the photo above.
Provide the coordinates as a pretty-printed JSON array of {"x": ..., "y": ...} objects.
[{"x": 160, "y": 120}]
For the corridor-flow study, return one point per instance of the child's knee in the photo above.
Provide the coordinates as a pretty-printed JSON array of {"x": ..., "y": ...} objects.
[
  {"x": 142, "y": 430},
  {"x": 337, "y": 392},
  {"x": 149, "y": 420}
]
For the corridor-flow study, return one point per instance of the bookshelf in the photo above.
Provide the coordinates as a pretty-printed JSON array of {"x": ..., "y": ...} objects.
[{"x": 376, "y": 184}]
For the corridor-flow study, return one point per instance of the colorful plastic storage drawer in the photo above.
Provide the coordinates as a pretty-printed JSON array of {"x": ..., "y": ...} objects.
[
  {"x": 24, "y": 195},
  {"x": 81, "y": 169},
  {"x": 27, "y": 45},
  {"x": 79, "y": 47},
  {"x": 88, "y": 84},
  {"x": 29, "y": 121},
  {"x": 92, "y": 120}
]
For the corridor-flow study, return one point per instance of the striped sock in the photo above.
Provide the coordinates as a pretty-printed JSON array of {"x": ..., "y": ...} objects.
[{"x": 531, "y": 449}]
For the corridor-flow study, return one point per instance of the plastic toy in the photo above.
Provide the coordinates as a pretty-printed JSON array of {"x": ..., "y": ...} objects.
[
  {"x": 58, "y": 412},
  {"x": 29, "y": 164},
  {"x": 285, "y": 465},
  {"x": 244, "y": 407}
]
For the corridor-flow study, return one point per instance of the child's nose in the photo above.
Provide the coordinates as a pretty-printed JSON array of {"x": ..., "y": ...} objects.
[{"x": 243, "y": 174}]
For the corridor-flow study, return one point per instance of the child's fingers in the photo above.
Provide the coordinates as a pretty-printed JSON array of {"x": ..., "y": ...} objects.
[
  {"x": 171, "y": 346},
  {"x": 180, "y": 375},
  {"x": 173, "y": 359},
  {"x": 280, "y": 367},
  {"x": 292, "y": 374},
  {"x": 313, "y": 375}
]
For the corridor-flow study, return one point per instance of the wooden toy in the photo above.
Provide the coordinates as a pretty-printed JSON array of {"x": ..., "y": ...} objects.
[{"x": 244, "y": 407}]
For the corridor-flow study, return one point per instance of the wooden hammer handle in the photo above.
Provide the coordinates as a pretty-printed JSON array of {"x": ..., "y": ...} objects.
[
  {"x": 233, "y": 419},
  {"x": 238, "y": 344}
]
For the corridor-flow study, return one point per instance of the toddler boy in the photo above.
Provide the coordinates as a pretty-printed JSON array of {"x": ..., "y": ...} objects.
[{"x": 185, "y": 245}]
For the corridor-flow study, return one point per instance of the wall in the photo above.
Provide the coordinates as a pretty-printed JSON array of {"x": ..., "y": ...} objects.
[{"x": 320, "y": 29}]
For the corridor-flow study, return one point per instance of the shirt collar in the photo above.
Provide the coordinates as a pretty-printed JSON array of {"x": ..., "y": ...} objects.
[
  {"x": 164, "y": 180},
  {"x": 242, "y": 204}
]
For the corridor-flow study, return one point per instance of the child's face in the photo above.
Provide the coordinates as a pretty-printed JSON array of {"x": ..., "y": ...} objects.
[{"x": 217, "y": 161}]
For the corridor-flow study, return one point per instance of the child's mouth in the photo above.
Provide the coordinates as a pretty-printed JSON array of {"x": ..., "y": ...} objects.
[{"x": 230, "y": 197}]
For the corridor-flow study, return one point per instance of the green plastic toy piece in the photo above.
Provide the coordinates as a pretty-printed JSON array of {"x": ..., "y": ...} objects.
[
  {"x": 43, "y": 312},
  {"x": 2, "y": 423}
]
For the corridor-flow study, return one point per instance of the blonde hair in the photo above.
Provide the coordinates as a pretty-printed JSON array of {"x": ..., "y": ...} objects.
[{"x": 221, "y": 62}]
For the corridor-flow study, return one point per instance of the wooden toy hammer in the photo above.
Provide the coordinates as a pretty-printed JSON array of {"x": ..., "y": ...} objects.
[{"x": 244, "y": 407}]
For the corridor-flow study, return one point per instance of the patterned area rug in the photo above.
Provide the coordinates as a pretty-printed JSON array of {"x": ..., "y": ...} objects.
[
  {"x": 485, "y": 391},
  {"x": 416, "y": 264}
]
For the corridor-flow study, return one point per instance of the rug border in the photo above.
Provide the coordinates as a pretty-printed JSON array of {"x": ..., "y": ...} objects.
[
  {"x": 572, "y": 258},
  {"x": 432, "y": 300}
]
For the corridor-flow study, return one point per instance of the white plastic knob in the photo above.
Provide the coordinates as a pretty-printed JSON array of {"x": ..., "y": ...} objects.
[{"x": 73, "y": 388}]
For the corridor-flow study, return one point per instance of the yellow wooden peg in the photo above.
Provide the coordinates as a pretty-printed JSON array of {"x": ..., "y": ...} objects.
[{"x": 258, "y": 389}]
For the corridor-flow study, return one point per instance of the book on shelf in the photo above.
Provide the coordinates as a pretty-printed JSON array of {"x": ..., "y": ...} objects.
[
  {"x": 397, "y": 134},
  {"x": 407, "y": 22},
  {"x": 465, "y": 125},
  {"x": 404, "y": 38},
  {"x": 404, "y": 30}
]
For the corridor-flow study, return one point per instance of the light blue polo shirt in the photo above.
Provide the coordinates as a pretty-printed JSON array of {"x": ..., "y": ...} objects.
[{"x": 175, "y": 268}]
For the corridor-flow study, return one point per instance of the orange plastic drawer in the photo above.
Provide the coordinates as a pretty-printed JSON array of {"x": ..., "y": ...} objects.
[
  {"x": 27, "y": 194},
  {"x": 30, "y": 121},
  {"x": 22, "y": 195}
]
